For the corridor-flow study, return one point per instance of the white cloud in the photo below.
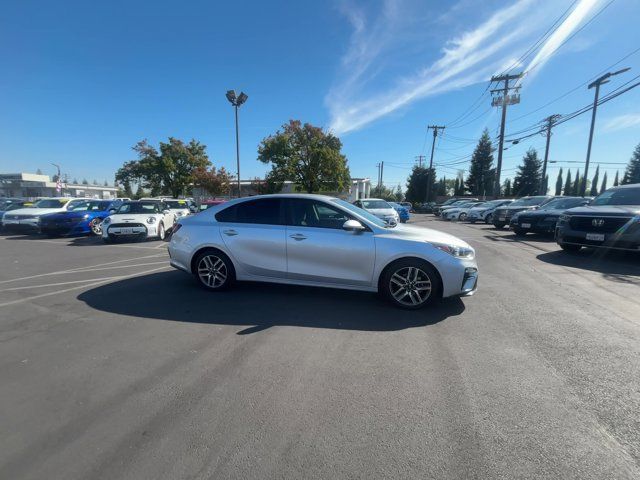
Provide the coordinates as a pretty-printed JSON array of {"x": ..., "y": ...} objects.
[
  {"x": 468, "y": 58},
  {"x": 622, "y": 122}
]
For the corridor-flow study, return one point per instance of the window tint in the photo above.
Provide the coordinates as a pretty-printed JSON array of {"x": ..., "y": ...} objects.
[
  {"x": 312, "y": 213},
  {"x": 263, "y": 211}
]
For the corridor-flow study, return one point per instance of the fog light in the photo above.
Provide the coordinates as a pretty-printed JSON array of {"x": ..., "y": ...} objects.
[{"x": 470, "y": 279}]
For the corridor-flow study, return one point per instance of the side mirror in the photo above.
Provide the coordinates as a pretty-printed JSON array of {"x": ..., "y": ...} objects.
[
  {"x": 112, "y": 210},
  {"x": 353, "y": 226}
]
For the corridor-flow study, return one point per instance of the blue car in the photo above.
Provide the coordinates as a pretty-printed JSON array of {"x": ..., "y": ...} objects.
[
  {"x": 403, "y": 212},
  {"x": 86, "y": 218}
]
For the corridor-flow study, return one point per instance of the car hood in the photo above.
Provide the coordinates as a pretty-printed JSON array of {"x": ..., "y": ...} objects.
[
  {"x": 606, "y": 211},
  {"x": 545, "y": 213},
  {"x": 76, "y": 214},
  {"x": 35, "y": 211},
  {"x": 131, "y": 217},
  {"x": 382, "y": 211},
  {"x": 411, "y": 232}
]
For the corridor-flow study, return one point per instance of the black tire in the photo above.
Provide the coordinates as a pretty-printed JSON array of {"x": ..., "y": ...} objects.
[
  {"x": 462, "y": 217},
  {"x": 108, "y": 240},
  {"x": 499, "y": 226},
  {"x": 225, "y": 269},
  {"x": 519, "y": 232},
  {"x": 569, "y": 247},
  {"x": 489, "y": 219},
  {"x": 400, "y": 271},
  {"x": 162, "y": 233}
]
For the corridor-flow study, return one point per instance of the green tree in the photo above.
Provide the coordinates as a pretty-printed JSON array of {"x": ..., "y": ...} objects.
[
  {"x": 568, "y": 185},
  {"x": 126, "y": 189},
  {"x": 212, "y": 181},
  {"x": 140, "y": 192},
  {"x": 85, "y": 181},
  {"x": 577, "y": 184},
  {"x": 306, "y": 155},
  {"x": 167, "y": 171},
  {"x": 481, "y": 174},
  {"x": 603, "y": 187},
  {"x": 417, "y": 185},
  {"x": 616, "y": 182},
  {"x": 632, "y": 172},
  {"x": 528, "y": 177},
  {"x": 506, "y": 188},
  {"x": 266, "y": 186},
  {"x": 75, "y": 181},
  {"x": 594, "y": 183},
  {"x": 398, "y": 194},
  {"x": 38, "y": 172},
  {"x": 559, "y": 183},
  {"x": 383, "y": 193}
]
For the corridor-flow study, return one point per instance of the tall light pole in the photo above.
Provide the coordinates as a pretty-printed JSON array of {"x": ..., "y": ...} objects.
[
  {"x": 596, "y": 83},
  {"x": 236, "y": 102}
]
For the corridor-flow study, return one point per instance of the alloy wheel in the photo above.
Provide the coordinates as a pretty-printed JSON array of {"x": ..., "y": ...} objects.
[
  {"x": 161, "y": 232},
  {"x": 96, "y": 226},
  {"x": 410, "y": 286},
  {"x": 463, "y": 216},
  {"x": 212, "y": 271}
]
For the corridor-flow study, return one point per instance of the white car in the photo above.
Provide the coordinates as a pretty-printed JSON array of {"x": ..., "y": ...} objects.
[
  {"x": 179, "y": 208},
  {"x": 27, "y": 220},
  {"x": 459, "y": 213},
  {"x": 138, "y": 220},
  {"x": 321, "y": 241},
  {"x": 380, "y": 208},
  {"x": 484, "y": 212}
]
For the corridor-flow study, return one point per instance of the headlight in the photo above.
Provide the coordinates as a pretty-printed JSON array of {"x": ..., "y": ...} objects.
[
  {"x": 151, "y": 220},
  {"x": 455, "y": 251},
  {"x": 85, "y": 216},
  {"x": 106, "y": 221}
]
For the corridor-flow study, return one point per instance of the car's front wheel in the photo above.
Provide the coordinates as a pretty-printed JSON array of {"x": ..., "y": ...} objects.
[
  {"x": 519, "y": 232},
  {"x": 489, "y": 219},
  {"x": 569, "y": 247},
  {"x": 214, "y": 270},
  {"x": 410, "y": 284},
  {"x": 96, "y": 226},
  {"x": 499, "y": 226},
  {"x": 462, "y": 217},
  {"x": 162, "y": 234}
]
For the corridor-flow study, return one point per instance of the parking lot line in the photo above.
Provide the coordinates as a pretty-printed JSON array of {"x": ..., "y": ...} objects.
[
  {"x": 78, "y": 269},
  {"x": 13, "y": 289},
  {"x": 58, "y": 292}
]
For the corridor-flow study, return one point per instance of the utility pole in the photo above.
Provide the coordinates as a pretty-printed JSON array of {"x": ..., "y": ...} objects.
[
  {"x": 378, "y": 183},
  {"x": 596, "y": 83},
  {"x": 503, "y": 101},
  {"x": 435, "y": 129},
  {"x": 420, "y": 158},
  {"x": 551, "y": 119},
  {"x": 381, "y": 174}
]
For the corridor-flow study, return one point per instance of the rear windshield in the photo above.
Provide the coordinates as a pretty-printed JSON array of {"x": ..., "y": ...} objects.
[{"x": 621, "y": 196}]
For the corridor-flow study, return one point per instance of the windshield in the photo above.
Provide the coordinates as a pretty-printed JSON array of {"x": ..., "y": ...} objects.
[
  {"x": 175, "y": 204},
  {"x": 621, "y": 196},
  {"x": 528, "y": 202},
  {"x": 492, "y": 203},
  {"x": 50, "y": 203},
  {"x": 363, "y": 213},
  {"x": 138, "y": 208},
  {"x": 563, "y": 203},
  {"x": 375, "y": 204}
]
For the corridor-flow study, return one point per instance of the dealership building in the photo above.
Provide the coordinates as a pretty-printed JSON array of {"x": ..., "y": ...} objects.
[{"x": 33, "y": 185}]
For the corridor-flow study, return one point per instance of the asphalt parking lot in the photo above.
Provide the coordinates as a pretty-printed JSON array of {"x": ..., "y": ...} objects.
[{"x": 114, "y": 365}]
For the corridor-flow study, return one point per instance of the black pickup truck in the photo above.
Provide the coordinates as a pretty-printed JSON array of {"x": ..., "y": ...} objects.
[{"x": 612, "y": 220}]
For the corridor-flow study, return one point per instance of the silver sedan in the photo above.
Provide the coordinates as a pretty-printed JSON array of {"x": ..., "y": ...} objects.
[{"x": 321, "y": 241}]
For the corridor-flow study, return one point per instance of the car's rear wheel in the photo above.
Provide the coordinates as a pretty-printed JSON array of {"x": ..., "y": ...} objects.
[
  {"x": 499, "y": 226},
  {"x": 214, "y": 270},
  {"x": 568, "y": 247},
  {"x": 96, "y": 226},
  {"x": 161, "y": 232},
  {"x": 410, "y": 284},
  {"x": 462, "y": 217}
]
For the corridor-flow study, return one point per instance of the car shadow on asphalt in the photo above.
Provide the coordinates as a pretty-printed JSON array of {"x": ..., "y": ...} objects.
[
  {"x": 176, "y": 296},
  {"x": 617, "y": 266}
]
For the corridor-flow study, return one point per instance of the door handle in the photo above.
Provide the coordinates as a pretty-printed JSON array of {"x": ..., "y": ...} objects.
[
  {"x": 298, "y": 236},
  {"x": 230, "y": 233}
]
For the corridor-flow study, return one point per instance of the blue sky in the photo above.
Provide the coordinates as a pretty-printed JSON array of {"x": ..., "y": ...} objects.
[{"x": 84, "y": 81}]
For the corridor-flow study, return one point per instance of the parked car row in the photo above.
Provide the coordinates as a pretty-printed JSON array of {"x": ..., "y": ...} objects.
[
  {"x": 113, "y": 220},
  {"x": 610, "y": 220}
]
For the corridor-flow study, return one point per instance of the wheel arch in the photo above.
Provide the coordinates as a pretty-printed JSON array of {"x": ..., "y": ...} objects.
[{"x": 192, "y": 262}]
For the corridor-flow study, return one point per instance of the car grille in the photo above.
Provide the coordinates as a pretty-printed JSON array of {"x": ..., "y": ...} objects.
[
  {"x": 19, "y": 217},
  {"x": 126, "y": 225},
  {"x": 525, "y": 219},
  {"x": 610, "y": 225}
]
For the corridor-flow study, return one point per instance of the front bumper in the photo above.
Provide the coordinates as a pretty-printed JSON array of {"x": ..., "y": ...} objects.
[
  {"x": 62, "y": 229},
  {"x": 21, "y": 226},
  {"x": 459, "y": 276},
  {"x": 627, "y": 240}
]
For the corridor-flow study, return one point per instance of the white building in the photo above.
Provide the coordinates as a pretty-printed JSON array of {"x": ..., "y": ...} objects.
[{"x": 32, "y": 185}]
